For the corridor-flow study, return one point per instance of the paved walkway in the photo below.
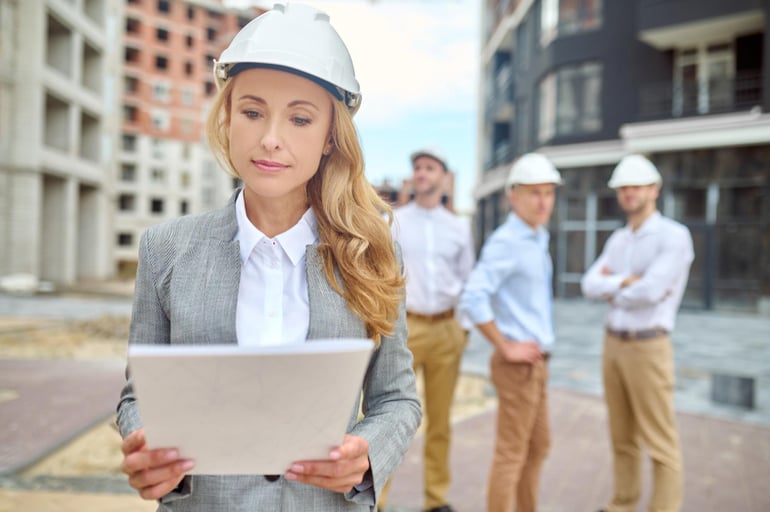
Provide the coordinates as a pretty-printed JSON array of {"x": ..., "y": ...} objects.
[
  {"x": 726, "y": 464},
  {"x": 726, "y": 448}
]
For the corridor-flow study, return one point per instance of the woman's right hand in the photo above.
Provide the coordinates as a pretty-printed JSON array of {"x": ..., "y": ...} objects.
[{"x": 154, "y": 473}]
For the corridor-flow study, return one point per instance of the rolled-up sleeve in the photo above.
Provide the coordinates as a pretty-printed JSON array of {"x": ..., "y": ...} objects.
[{"x": 495, "y": 264}]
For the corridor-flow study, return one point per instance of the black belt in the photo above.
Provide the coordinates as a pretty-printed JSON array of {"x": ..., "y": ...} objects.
[{"x": 643, "y": 334}]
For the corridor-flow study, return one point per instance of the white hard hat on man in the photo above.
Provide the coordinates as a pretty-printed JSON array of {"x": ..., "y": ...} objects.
[
  {"x": 431, "y": 152},
  {"x": 296, "y": 38},
  {"x": 532, "y": 169},
  {"x": 634, "y": 171}
]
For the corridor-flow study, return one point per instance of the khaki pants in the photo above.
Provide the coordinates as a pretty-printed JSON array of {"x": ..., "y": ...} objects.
[
  {"x": 523, "y": 436},
  {"x": 437, "y": 347},
  {"x": 638, "y": 389}
]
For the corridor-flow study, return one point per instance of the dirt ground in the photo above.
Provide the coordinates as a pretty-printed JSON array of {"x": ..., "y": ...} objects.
[{"x": 97, "y": 452}]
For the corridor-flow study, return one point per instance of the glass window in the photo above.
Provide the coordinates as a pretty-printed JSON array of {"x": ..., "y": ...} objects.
[
  {"x": 570, "y": 101},
  {"x": 576, "y": 243},
  {"x": 161, "y": 34},
  {"x": 740, "y": 203},
  {"x": 161, "y": 120},
  {"x": 161, "y": 62},
  {"x": 126, "y": 202},
  {"x": 156, "y": 205},
  {"x": 133, "y": 25},
  {"x": 128, "y": 172},
  {"x": 607, "y": 208},
  {"x": 690, "y": 204},
  {"x": 125, "y": 239},
  {"x": 564, "y": 17},
  {"x": 129, "y": 142},
  {"x": 131, "y": 84},
  {"x": 161, "y": 91},
  {"x": 576, "y": 208}
]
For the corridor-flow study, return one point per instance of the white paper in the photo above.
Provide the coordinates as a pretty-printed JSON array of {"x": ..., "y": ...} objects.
[{"x": 248, "y": 410}]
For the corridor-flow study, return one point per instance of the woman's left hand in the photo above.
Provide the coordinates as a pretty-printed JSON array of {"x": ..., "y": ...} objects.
[{"x": 346, "y": 467}]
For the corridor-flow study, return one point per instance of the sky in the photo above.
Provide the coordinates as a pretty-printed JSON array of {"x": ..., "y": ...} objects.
[{"x": 417, "y": 62}]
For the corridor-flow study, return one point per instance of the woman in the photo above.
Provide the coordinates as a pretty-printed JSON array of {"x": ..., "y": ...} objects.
[{"x": 305, "y": 233}]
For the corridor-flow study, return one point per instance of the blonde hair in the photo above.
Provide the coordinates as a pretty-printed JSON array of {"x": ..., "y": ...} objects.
[{"x": 356, "y": 245}]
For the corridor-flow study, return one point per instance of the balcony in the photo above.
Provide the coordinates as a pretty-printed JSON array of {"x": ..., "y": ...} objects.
[{"x": 667, "y": 100}]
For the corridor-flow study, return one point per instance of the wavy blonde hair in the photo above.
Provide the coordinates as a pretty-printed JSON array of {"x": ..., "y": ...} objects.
[{"x": 356, "y": 245}]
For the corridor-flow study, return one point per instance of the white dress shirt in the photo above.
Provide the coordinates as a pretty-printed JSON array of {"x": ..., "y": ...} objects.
[
  {"x": 272, "y": 297},
  {"x": 661, "y": 252},
  {"x": 438, "y": 256}
]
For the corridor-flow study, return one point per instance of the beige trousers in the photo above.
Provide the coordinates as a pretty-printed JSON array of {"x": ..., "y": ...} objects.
[
  {"x": 523, "y": 435},
  {"x": 437, "y": 347},
  {"x": 638, "y": 390}
]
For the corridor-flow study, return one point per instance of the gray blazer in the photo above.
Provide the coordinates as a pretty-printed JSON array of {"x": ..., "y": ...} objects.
[{"x": 186, "y": 292}]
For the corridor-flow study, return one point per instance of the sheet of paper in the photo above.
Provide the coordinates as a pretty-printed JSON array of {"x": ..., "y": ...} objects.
[{"x": 248, "y": 410}]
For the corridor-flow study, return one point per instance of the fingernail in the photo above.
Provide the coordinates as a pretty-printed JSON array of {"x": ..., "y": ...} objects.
[
  {"x": 334, "y": 455},
  {"x": 171, "y": 455},
  {"x": 290, "y": 476},
  {"x": 188, "y": 465},
  {"x": 297, "y": 468}
]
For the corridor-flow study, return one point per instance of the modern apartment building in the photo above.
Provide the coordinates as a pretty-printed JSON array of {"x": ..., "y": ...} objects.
[
  {"x": 58, "y": 60},
  {"x": 686, "y": 82},
  {"x": 165, "y": 167}
]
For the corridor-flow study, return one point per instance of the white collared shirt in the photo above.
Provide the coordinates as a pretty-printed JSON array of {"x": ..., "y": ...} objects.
[
  {"x": 438, "y": 256},
  {"x": 273, "y": 297},
  {"x": 661, "y": 252}
]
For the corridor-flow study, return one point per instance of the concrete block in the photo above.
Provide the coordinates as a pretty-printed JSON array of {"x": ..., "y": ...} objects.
[{"x": 733, "y": 390}]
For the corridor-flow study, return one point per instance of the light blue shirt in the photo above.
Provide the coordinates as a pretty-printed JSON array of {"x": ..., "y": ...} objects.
[{"x": 511, "y": 284}]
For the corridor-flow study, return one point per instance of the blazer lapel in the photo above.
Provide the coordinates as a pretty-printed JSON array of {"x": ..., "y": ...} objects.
[
  {"x": 330, "y": 316},
  {"x": 207, "y": 278}
]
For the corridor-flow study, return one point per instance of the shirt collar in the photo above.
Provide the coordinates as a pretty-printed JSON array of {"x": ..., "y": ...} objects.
[
  {"x": 524, "y": 229},
  {"x": 650, "y": 225},
  {"x": 293, "y": 241},
  {"x": 303, "y": 233},
  {"x": 427, "y": 212}
]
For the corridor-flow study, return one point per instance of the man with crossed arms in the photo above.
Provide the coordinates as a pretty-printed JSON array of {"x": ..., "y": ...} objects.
[{"x": 641, "y": 273}]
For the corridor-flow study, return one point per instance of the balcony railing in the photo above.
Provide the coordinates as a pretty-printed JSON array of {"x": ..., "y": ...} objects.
[{"x": 667, "y": 100}]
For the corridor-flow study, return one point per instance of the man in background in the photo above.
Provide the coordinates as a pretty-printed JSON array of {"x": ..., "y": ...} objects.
[
  {"x": 438, "y": 256},
  {"x": 509, "y": 298},
  {"x": 641, "y": 273}
]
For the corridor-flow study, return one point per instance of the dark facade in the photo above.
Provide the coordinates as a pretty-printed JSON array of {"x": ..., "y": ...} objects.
[{"x": 684, "y": 82}]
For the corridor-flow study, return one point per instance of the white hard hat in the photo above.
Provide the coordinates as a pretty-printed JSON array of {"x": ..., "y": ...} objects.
[
  {"x": 433, "y": 152},
  {"x": 531, "y": 169},
  {"x": 634, "y": 170},
  {"x": 295, "y": 38}
]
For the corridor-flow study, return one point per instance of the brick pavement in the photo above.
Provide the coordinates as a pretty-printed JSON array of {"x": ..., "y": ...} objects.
[
  {"x": 726, "y": 463},
  {"x": 48, "y": 402}
]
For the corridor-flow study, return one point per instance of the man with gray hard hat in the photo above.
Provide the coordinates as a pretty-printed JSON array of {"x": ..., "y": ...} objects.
[
  {"x": 509, "y": 298},
  {"x": 438, "y": 257},
  {"x": 642, "y": 273}
]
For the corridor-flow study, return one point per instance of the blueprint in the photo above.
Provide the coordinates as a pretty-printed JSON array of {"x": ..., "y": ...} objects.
[{"x": 248, "y": 410}]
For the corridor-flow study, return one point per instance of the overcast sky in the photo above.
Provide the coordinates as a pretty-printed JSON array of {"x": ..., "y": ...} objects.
[{"x": 417, "y": 63}]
